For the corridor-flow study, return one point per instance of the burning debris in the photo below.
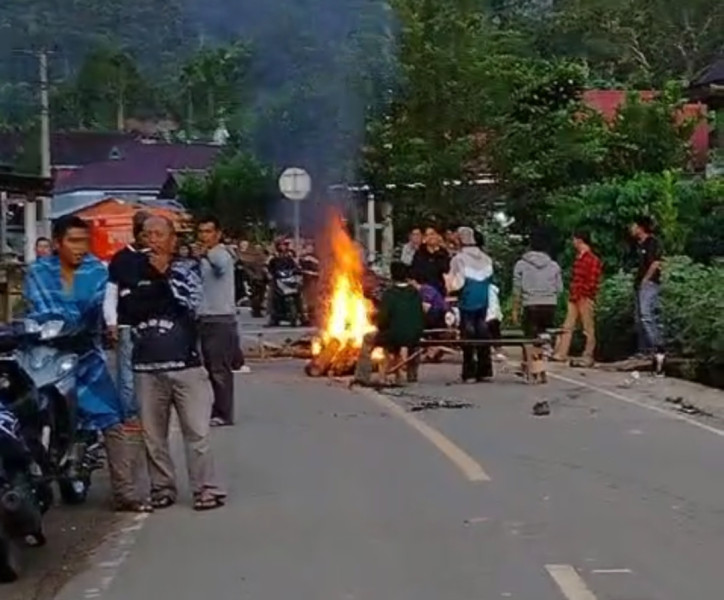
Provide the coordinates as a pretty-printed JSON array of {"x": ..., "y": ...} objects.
[{"x": 347, "y": 318}]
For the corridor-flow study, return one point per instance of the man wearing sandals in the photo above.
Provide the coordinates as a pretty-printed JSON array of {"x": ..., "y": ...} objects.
[{"x": 168, "y": 369}]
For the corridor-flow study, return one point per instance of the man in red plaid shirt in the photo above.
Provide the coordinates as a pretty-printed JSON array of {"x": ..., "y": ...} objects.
[{"x": 585, "y": 281}]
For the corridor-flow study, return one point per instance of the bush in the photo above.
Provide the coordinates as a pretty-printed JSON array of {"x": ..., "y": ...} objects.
[
  {"x": 689, "y": 215},
  {"x": 692, "y": 307}
]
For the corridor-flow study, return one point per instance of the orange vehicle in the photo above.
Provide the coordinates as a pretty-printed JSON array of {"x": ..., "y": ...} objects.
[{"x": 112, "y": 224}]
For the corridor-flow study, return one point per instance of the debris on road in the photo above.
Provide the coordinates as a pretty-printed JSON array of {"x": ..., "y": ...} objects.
[
  {"x": 541, "y": 409},
  {"x": 687, "y": 407},
  {"x": 438, "y": 404}
]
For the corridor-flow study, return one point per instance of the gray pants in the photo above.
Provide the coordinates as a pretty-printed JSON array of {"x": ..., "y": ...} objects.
[
  {"x": 220, "y": 348},
  {"x": 189, "y": 392},
  {"x": 648, "y": 321}
]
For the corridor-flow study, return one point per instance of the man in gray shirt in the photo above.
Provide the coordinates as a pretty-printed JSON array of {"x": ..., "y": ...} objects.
[{"x": 220, "y": 345}]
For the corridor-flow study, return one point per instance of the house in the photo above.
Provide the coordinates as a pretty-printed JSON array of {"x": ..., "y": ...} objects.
[
  {"x": 607, "y": 102},
  {"x": 708, "y": 87},
  {"x": 69, "y": 150},
  {"x": 135, "y": 171}
]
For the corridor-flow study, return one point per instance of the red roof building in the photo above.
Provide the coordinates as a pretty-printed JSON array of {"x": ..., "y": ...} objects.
[{"x": 607, "y": 102}]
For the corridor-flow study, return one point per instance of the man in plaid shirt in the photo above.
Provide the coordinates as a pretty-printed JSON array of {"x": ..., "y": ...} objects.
[{"x": 585, "y": 281}]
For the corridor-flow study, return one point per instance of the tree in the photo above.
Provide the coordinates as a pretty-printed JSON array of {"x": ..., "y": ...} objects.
[
  {"x": 107, "y": 87},
  {"x": 239, "y": 187},
  {"x": 640, "y": 42},
  {"x": 213, "y": 81},
  {"x": 456, "y": 73}
]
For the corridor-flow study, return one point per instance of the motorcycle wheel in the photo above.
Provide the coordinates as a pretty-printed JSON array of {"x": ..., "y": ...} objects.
[
  {"x": 9, "y": 563},
  {"x": 74, "y": 491},
  {"x": 292, "y": 313}
]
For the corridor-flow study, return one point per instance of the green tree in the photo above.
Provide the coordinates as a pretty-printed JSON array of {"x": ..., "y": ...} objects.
[
  {"x": 239, "y": 187},
  {"x": 640, "y": 42},
  {"x": 108, "y": 88},
  {"x": 213, "y": 81}
]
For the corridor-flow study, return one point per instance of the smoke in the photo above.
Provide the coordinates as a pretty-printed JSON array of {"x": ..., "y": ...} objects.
[{"x": 320, "y": 67}]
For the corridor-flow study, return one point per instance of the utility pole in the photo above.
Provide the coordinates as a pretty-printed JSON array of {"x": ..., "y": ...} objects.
[{"x": 44, "y": 137}]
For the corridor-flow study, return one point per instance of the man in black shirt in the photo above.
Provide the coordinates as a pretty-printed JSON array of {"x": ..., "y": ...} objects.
[
  {"x": 162, "y": 309},
  {"x": 123, "y": 273},
  {"x": 649, "y": 255}
]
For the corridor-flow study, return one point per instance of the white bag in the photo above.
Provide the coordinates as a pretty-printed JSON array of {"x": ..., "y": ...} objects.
[{"x": 494, "y": 311}]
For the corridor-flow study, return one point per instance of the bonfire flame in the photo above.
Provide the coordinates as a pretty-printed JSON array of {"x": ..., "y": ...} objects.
[{"x": 347, "y": 316}]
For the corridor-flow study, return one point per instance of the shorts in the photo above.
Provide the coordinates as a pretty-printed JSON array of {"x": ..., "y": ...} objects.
[{"x": 538, "y": 319}]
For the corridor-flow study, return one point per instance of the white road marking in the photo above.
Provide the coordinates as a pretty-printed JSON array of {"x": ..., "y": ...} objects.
[
  {"x": 612, "y": 571},
  {"x": 95, "y": 582},
  {"x": 570, "y": 582},
  {"x": 640, "y": 404},
  {"x": 470, "y": 468}
]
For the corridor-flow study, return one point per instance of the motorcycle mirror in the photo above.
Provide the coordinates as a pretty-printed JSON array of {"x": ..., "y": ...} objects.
[
  {"x": 31, "y": 326},
  {"x": 51, "y": 329}
]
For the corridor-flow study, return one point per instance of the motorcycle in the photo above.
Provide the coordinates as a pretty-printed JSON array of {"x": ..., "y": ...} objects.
[
  {"x": 40, "y": 442},
  {"x": 286, "y": 297}
]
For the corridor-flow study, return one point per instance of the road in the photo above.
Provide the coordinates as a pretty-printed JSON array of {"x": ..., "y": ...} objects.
[{"x": 340, "y": 494}]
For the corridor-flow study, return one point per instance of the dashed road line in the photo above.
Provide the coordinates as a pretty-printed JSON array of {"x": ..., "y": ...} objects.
[
  {"x": 611, "y": 571},
  {"x": 470, "y": 468},
  {"x": 570, "y": 582}
]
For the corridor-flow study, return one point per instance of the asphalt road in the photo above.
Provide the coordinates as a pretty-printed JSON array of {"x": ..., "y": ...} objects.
[{"x": 347, "y": 495}]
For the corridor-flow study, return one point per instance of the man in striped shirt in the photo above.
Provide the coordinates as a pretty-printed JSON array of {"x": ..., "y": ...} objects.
[{"x": 585, "y": 281}]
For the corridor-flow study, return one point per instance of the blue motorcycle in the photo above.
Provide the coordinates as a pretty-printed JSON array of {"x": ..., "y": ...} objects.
[{"x": 40, "y": 439}]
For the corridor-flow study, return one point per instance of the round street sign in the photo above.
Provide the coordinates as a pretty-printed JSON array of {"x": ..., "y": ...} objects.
[{"x": 295, "y": 183}]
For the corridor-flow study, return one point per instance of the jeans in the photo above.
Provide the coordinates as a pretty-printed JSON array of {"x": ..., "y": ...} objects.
[
  {"x": 477, "y": 363},
  {"x": 648, "y": 322},
  {"x": 125, "y": 372}
]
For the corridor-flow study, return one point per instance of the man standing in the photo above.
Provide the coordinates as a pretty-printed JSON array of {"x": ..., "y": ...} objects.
[
  {"x": 123, "y": 274},
  {"x": 43, "y": 247},
  {"x": 648, "y": 286},
  {"x": 412, "y": 246},
  {"x": 585, "y": 281},
  {"x": 71, "y": 285},
  {"x": 537, "y": 283},
  {"x": 162, "y": 309},
  {"x": 220, "y": 345}
]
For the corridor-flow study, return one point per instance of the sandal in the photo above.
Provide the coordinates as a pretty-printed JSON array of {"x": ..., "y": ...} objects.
[
  {"x": 134, "y": 506},
  {"x": 161, "y": 502},
  {"x": 208, "y": 500}
]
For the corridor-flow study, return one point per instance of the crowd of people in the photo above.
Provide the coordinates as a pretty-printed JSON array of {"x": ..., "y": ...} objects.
[
  {"x": 169, "y": 309},
  {"x": 456, "y": 269},
  {"x": 171, "y": 316}
]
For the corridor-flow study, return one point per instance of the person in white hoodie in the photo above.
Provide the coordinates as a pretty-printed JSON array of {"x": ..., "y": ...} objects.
[{"x": 471, "y": 273}]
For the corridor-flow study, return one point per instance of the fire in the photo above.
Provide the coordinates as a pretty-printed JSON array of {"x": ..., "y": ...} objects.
[{"x": 347, "y": 318}]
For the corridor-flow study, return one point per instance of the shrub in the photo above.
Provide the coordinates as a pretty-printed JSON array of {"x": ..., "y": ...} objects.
[
  {"x": 689, "y": 215},
  {"x": 692, "y": 310}
]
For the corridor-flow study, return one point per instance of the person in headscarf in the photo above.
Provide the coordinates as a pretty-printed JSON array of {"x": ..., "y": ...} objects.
[
  {"x": 70, "y": 285},
  {"x": 471, "y": 272}
]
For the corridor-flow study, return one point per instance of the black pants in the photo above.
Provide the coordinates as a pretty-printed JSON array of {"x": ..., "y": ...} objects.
[
  {"x": 477, "y": 363},
  {"x": 221, "y": 349}
]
